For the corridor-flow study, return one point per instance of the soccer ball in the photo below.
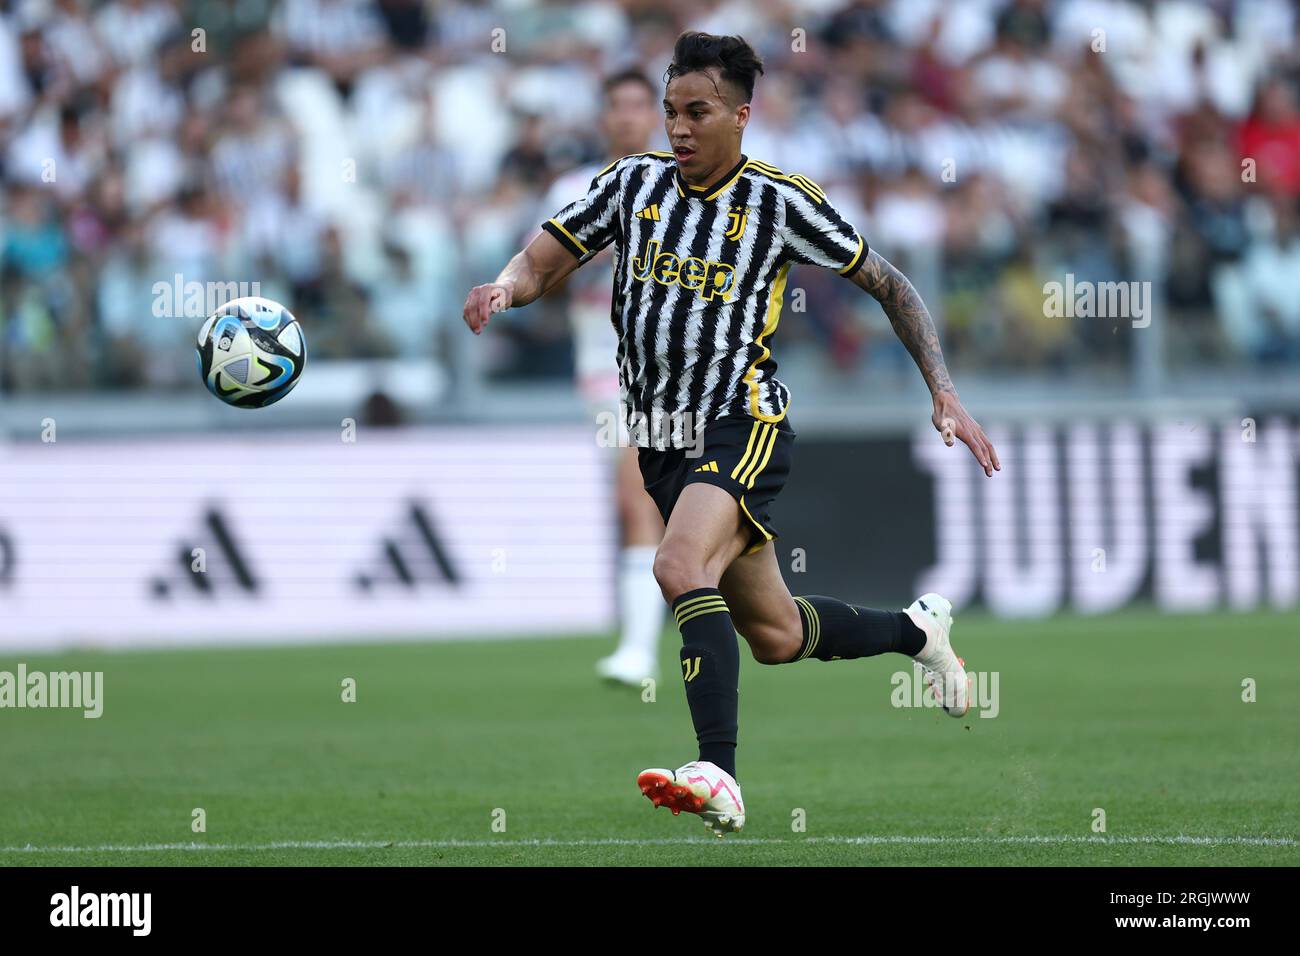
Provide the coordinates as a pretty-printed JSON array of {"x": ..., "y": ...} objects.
[{"x": 251, "y": 352}]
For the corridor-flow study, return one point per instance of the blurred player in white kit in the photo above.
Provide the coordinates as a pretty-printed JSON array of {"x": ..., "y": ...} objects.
[{"x": 631, "y": 117}]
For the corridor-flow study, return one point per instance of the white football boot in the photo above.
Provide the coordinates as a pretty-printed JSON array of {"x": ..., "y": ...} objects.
[
  {"x": 698, "y": 787},
  {"x": 627, "y": 667},
  {"x": 945, "y": 672}
]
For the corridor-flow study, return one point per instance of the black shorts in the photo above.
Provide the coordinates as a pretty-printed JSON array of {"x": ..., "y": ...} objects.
[{"x": 746, "y": 458}]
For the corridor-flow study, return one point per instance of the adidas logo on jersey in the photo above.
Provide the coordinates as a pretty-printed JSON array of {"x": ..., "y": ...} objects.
[{"x": 650, "y": 212}]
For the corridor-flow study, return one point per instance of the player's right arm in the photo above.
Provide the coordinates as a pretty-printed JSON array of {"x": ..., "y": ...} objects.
[
  {"x": 575, "y": 234},
  {"x": 532, "y": 273}
]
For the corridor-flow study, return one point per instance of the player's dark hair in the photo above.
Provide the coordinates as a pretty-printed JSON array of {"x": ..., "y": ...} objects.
[
  {"x": 736, "y": 59},
  {"x": 631, "y": 75}
]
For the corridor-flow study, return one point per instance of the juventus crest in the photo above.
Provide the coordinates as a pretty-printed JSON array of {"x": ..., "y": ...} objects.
[{"x": 736, "y": 220}]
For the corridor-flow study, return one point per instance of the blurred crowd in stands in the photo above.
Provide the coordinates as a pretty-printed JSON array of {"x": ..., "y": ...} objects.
[{"x": 367, "y": 161}]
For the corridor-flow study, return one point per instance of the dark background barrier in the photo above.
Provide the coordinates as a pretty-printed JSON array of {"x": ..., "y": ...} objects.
[{"x": 1190, "y": 514}]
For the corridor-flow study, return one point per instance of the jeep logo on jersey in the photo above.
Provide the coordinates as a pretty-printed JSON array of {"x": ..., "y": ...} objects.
[{"x": 704, "y": 276}]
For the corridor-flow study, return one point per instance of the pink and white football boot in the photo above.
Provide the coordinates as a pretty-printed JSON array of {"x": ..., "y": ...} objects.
[{"x": 698, "y": 787}]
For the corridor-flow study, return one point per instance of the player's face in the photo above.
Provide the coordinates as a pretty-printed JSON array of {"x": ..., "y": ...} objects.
[
  {"x": 630, "y": 118},
  {"x": 703, "y": 129}
]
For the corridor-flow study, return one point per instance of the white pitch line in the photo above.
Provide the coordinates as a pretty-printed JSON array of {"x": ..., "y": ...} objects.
[{"x": 686, "y": 841}]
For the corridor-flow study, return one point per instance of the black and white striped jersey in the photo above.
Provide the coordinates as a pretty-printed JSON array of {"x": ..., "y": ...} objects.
[{"x": 699, "y": 277}]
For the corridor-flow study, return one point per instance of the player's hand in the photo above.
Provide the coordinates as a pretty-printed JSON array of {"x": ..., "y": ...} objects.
[
  {"x": 483, "y": 301},
  {"x": 953, "y": 421}
]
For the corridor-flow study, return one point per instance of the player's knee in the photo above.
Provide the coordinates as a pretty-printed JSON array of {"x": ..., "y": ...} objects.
[{"x": 677, "y": 571}]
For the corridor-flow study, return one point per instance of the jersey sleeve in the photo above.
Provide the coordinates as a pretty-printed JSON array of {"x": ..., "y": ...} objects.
[
  {"x": 815, "y": 233},
  {"x": 589, "y": 224}
]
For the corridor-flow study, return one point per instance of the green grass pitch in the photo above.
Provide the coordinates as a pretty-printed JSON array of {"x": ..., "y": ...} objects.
[{"x": 1138, "y": 714}]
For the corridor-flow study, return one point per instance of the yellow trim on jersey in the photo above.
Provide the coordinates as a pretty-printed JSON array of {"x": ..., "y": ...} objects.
[
  {"x": 724, "y": 186},
  {"x": 717, "y": 190},
  {"x": 814, "y": 192},
  {"x": 855, "y": 261},
  {"x": 773, "y": 317},
  {"x": 560, "y": 227},
  {"x": 748, "y": 448},
  {"x": 817, "y": 194},
  {"x": 808, "y": 185},
  {"x": 795, "y": 179}
]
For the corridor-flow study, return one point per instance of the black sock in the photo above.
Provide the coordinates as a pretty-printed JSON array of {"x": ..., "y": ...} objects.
[
  {"x": 711, "y": 672},
  {"x": 833, "y": 630}
]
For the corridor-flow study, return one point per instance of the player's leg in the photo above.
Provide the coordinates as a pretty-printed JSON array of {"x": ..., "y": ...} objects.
[
  {"x": 781, "y": 628},
  {"x": 764, "y": 612},
  {"x": 640, "y": 606},
  {"x": 704, "y": 535}
]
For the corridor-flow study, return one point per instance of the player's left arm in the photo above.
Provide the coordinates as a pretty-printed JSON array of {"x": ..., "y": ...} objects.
[{"x": 915, "y": 329}]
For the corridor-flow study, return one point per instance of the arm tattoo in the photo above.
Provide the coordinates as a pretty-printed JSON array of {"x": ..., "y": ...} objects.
[{"x": 909, "y": 317}]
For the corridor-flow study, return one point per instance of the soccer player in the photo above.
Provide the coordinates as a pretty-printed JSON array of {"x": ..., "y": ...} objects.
[
  {"x": 630, "y": 118},
  {"x": 704, "y": 238}
]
